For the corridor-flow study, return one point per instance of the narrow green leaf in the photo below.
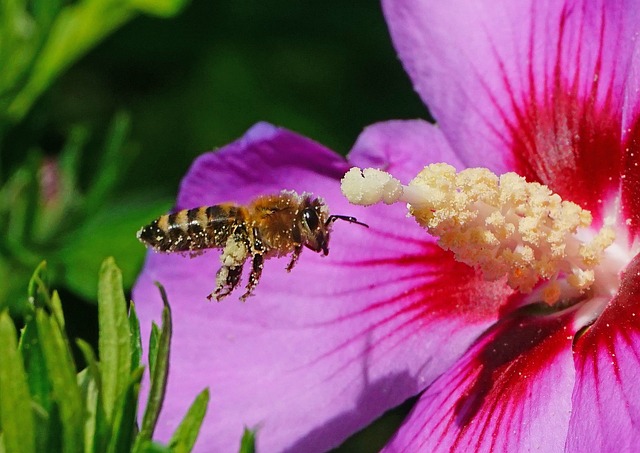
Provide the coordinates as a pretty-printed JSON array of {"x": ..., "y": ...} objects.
[
  {"x": 158, "y": 377},
  {"x": 89, "y": 392},
  {"x": 95, "y": 428},
  {"x": 124, "y": 417},
  {"x": 153, "y": 346},
  {"x": 16, "y": 416},
  {"x": 55, "y": 438},
  {"x": 136, "y": 341},
  {"x": 55, "y": 305},
  {"x": 114, "y": 342},
  {"x": 186, "y": 434},
  {"x": 62, "y": 373},
  {"x": 248, "y": 442},
  {"x": 38, "y": 381},
  {"x": 151, "y": 447},
  {"x": 38, "y": 289}
]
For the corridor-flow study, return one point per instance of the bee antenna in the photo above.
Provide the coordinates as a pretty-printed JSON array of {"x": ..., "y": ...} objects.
[{"x": 333, "y": 218}]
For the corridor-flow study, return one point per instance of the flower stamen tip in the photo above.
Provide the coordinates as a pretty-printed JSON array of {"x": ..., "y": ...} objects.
[{"x": 370, "y": 186}]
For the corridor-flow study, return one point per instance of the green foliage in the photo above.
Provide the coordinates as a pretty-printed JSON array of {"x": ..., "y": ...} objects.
[
  {"x": 46, "y": 405},
  {"x": 41, "y": 38},
  {"x": 45, "y": 212},
  {"x": 248, "y": 442}
]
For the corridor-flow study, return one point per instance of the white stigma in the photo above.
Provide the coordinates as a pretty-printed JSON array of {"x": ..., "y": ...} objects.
[{"x": 503, "y": 225}]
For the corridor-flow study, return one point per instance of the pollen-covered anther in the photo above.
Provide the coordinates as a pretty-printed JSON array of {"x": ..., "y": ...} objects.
[{"x": 503, "y": 225}]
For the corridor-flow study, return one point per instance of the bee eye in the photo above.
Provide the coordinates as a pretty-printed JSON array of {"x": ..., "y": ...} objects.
[{"x": 311, "y": 218}]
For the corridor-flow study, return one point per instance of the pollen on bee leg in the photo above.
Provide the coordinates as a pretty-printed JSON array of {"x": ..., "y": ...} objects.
[
  {"x": 234, "y": 253},
  {"x": 503, "y": 225}
]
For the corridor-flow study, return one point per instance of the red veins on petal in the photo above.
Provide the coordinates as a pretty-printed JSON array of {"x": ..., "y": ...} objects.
[
  {"x": 607, "y": 358},
  {"x": 567, "y": 133},
  {"x": 504, "y": 366},
  {"x": 513, "y": 382},
  {"x": 570, "y": 145}
]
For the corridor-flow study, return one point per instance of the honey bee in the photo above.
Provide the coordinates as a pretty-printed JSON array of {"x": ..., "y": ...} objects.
[{"x": 269, "y": 226}]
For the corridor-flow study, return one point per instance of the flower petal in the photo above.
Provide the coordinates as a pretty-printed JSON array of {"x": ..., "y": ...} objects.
[
  {"x": 606, "y": 401},
  {"x": 402, "y": 148},
  {"x": 631, "y": 139},
  {"x": 536, "y": 87},
  {"x": 322, "y": 351},
  {"x": 510, "y": 392}
]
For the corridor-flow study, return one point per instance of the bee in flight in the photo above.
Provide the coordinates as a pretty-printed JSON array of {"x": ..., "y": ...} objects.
[{"x": 271, "y": 225}]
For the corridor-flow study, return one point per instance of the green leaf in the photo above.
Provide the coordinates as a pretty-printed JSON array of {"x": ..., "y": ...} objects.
[
  {"x": 151, "y": 447},
  {"x": 124, "y": 420},
  {"x": 186, "y": 434},
  {"x": 163, "y": 8},
  {"x": 109, "y": 232},
  {"x": 55, "y": 305},
  {"x": 38, "y": 290},
  {"x": 38, "y": 381},
  {"x": 153, "y": 346},
  {"x": 95, "y": 428},
  {"x": 114, "y": 341},
  {"x": 136, "y": 340},
  {"x": 158, "y": 376},
  {"x": 44, "y": 11},
  {"x": 62, "y": 373},
  {"x": 16, "y": 416},
  {"x": 74, "y": 30},
  {"x": 248, "y": 442}
]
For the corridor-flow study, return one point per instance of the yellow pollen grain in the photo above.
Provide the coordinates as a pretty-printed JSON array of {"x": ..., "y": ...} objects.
[{"x": 503, "y": 225}]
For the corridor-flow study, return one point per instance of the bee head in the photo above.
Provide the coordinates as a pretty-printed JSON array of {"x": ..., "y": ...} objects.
[
  {"x": 316, "y": 224},
  {"x": 315, "y": 231}
]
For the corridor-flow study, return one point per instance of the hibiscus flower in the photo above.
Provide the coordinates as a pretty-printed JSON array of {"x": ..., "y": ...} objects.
[{"x": 548, "y": 90}]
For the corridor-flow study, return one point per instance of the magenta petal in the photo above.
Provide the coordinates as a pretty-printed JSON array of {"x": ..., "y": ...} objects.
[
  {"x": 532, "y": 86},
  {"x": 606, "y": 401},
  {"x": 322, "y": 351},
  {"x": 265, "y": 160},
  {"x": 510, "y": 392},
  {"x": 402, "y": 148}
]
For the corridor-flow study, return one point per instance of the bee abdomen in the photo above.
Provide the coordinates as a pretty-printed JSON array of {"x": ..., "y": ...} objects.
[
  {"x": 184, "y": 230},
  {"x": 190, "y": 229}
]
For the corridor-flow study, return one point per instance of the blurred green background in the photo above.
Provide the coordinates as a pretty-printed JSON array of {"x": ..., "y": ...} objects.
[{"x": 102, "y": 150}]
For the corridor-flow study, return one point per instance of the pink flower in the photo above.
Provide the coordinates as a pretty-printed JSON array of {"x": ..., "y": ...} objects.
[{"x": 548, "y": 90}]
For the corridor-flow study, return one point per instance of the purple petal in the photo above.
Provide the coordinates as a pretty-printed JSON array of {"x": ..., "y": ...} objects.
[
  {"x": 320, "y": 352},
  {"x": 606, "y": 401},
  {"x": 510, "y": 392},
  {"x": 402, "y": 148},
  {"x": 532, "y": 86}
]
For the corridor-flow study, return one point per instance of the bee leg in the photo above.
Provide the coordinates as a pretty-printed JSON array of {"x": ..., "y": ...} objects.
[
  {"x": 294, "y": 258},
  {"x": 233, "y": 256},
  {"x": 257, "y": 263},
  {"x": 227, "y": 279}
]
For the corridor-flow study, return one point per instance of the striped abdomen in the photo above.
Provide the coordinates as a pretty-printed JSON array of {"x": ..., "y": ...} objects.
[{"x": 192, "y": 229}]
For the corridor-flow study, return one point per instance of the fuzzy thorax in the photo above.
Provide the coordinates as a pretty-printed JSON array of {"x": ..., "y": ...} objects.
[{"x": 503, "y": 225}]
